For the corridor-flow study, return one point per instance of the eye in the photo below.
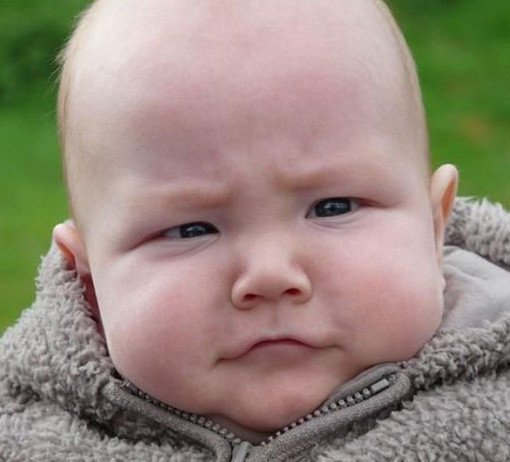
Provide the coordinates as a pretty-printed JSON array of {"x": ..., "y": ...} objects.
[
  {"x": 333, "y": 207},
  {"x": 190, "y": 230}
]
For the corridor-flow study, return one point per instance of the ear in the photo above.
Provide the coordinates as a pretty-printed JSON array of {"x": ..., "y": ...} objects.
[
  {"x": 443, "y": 189},
  {"x": 70, "y": 244}
]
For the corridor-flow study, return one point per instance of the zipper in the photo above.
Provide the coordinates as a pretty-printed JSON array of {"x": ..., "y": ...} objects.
[
  {"x": 350, "y": 400},
  {"x": 241, "y": 449},
  {"x": 197, "y": 419}
]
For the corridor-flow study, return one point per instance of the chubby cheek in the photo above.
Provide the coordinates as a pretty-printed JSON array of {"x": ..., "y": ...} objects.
[
  {"x": 386, "y": 294},
  {"x": 400, "y": 312},
  {"x": 157, "y": 319}
]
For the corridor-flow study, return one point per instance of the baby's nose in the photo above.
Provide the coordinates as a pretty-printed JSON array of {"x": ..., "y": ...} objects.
[{"x": 271, "y": 280}]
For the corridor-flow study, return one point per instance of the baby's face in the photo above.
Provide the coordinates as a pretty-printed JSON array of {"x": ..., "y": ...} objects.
[{"x": 262, "y": 232}]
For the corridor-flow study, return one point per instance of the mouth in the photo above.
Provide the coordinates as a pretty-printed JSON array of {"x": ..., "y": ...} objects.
[
  {"x": 276, "y": 343},
  {"x": 272, "y": 347}
]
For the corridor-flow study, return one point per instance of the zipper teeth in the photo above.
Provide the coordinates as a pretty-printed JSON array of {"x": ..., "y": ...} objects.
[
  {"x": 350, "y": 400},
  {"x": 188, "y": 416},
  {"x": 225, "y": 433}
]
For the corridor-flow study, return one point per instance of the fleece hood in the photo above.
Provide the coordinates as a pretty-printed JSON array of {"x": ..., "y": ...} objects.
[{"x": 61, "y": 398}]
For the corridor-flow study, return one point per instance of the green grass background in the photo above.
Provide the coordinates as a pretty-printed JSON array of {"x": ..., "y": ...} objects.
[{"x": 463, "y": 52}]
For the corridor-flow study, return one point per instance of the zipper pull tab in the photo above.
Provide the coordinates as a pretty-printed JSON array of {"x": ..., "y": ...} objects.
[
  {"x": 241, "y": 452},
  {"x": 379, "y": 386}
]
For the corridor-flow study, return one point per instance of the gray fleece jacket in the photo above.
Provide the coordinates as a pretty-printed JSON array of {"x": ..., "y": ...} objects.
[{"x": 61, "y": 399}]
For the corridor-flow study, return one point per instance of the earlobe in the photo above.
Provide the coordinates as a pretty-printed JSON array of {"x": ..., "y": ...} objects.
[{"x": 443, "y": 190}]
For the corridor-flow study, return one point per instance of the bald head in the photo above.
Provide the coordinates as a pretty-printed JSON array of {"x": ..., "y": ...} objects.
[{"x": 127, "y": 59}]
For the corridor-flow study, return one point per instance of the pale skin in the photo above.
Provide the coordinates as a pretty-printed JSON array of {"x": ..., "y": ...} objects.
[{"x": 316, "y": 227}]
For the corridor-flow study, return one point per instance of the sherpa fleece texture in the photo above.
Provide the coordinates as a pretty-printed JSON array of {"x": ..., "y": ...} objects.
[{"x": 57, "y": 382}]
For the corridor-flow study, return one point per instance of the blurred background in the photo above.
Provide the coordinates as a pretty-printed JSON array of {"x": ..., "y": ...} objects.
[{"x": 462, "y": 48}]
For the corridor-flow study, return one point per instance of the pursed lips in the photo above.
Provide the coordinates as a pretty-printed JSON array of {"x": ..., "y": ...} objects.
[{"x": 273, "y": 343}]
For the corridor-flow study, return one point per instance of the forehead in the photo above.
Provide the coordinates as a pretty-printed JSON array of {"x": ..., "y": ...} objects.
[
  {"x": 156, "y": 48},
  {"x": 206, "y": 78}
]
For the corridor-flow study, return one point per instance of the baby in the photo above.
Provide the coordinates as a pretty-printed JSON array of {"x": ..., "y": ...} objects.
[{"x": 254, "y": 220}]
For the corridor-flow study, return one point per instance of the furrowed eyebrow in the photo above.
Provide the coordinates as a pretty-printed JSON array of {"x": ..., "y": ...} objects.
[
  {"x": 303, "y": 180},
  {"x": 139, "y": 210},
  {"x": 313, "y": 178},
  {"x": 199, "y": 196}
]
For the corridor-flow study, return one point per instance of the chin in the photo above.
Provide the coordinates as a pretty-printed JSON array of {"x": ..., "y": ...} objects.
[
  {"x": 272, "y": 402},
  {"x": 278, "y": 412}
]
